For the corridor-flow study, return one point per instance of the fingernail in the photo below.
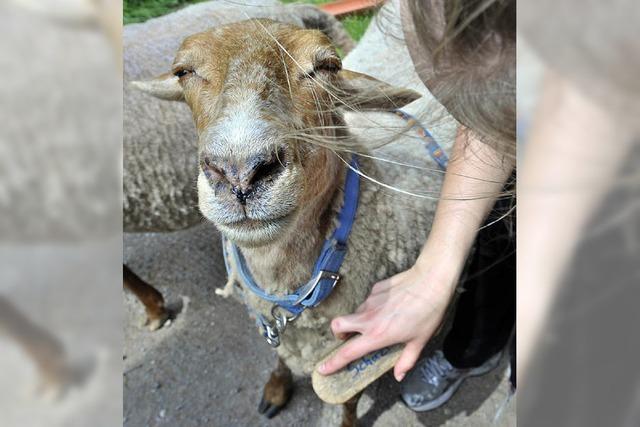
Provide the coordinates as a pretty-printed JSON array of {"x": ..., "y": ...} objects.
[
  {"x": 322, "y": 368},
  {"x": 400, "y": 377}
]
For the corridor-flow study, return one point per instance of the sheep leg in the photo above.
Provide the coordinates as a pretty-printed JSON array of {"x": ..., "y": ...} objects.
[
  {"x": 349, "y": 411},
  {"x": 277, "y": 391},
  {"x": 153, "y": 302}
]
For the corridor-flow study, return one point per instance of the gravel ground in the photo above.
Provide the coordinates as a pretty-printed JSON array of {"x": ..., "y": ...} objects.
[{"x": 207, "y": 368}]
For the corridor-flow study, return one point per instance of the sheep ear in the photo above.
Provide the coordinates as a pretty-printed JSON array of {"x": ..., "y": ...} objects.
[
  {"x": 165, "y": 86},
  {"x": 363, "y": 92}
]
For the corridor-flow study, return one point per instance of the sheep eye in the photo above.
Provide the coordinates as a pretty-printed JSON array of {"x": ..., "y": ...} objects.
[
  {"x": 331, "y": 67},
  {"x": 328, "y": 66},
  {"x": 182, "y": 73}
]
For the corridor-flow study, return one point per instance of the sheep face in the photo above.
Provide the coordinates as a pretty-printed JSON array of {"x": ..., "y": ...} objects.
[{"x": 257, "y": 91}]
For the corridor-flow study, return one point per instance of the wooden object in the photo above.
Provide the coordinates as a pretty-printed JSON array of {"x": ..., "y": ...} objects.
[{"x": 346, "y": 383}]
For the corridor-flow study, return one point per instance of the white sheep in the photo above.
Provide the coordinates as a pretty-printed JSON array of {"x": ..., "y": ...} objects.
[{"x": 268, "y": 102}]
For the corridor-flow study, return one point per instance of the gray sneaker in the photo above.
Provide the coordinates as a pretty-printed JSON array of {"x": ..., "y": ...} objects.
[{"x": 433, "y": 381}]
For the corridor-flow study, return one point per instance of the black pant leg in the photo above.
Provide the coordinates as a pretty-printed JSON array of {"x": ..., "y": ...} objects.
[{"x": 486, "y": 310}]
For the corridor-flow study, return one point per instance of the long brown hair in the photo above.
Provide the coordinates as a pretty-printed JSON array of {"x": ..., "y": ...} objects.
[{"x": 465, "y": 53}]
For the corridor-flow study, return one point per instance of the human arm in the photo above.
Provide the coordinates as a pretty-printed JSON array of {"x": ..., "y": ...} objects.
[{"x": 409, "y": 307}]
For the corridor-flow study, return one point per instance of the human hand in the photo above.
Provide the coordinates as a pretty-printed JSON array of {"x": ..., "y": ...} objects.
[{"x": 406, "y": 308}]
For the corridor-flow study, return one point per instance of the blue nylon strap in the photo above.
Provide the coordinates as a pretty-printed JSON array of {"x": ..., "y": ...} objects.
[
  {"x": 330, "y": 259},
  {"x": 432, "y": 146},
  {"x": 251, "y": 283}
]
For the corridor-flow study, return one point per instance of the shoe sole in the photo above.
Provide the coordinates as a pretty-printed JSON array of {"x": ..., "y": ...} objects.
[{"x": 444, "y": 397}]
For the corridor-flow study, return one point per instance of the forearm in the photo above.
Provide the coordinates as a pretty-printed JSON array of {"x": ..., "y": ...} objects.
[{"x": 474, "y": 179}]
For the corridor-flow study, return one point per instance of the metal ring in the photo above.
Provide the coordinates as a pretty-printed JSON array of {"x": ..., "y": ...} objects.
[{"x": 274, "y": 314}]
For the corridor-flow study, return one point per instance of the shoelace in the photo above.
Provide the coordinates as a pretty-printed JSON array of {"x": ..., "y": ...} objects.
[{"x": 436, "y": 366}]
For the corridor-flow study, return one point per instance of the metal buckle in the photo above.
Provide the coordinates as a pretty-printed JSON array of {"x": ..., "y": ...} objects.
[
  {"x": 322, "y": 274},
  {"x": 271, "y": 335},
  {"x": 273, "y": 330}
]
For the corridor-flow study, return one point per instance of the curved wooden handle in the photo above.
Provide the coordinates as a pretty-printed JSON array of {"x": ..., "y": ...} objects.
[{"x": 346, "y": 383}]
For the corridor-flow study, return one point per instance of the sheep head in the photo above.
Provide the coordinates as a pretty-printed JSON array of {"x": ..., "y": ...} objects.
[{"x": 264, "y": 95}]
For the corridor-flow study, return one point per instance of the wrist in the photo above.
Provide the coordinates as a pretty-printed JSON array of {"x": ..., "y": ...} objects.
[
  {"x": 440, "y": 273},
  {"x": 447, "y": 257}
]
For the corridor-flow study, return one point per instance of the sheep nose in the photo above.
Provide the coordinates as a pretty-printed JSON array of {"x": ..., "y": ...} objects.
[{"x": 246, "y": 175}]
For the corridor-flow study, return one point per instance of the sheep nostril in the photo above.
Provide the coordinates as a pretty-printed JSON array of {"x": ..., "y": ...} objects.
[
  {"x": 211, "y": 170},
  {"x": 269, "y": 169},
  {"x": 240, "y": 195}
]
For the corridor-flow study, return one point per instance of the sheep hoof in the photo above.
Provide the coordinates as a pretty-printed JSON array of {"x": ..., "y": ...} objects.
[
  {"x": 269, "y": 410},
  {"x": 276, "y": 394},
  {"x": 157, "y": 321}
]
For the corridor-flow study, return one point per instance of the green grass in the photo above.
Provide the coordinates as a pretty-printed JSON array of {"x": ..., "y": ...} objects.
[
  {"x": 356, "y": 25},
  {"x": 141, "y": 10}
]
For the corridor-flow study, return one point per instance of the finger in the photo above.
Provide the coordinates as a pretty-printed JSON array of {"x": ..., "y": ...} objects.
[
  {"x": 350, "y": 351},
  {"x": 350, "y": 323},
  {"x": 407, "y": 359}
]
